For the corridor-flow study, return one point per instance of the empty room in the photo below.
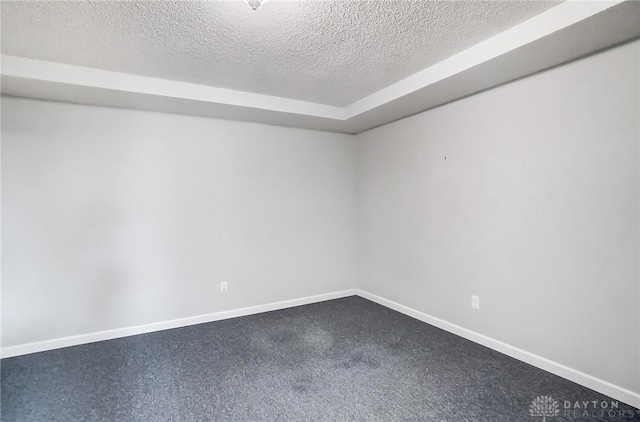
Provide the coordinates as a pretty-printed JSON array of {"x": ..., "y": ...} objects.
[{"x": 320, "y": 210}]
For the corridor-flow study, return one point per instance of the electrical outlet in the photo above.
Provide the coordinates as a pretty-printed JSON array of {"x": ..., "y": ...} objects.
[
  {"x": 223, "y": 287},
  {"x": 475, "y": 302}
]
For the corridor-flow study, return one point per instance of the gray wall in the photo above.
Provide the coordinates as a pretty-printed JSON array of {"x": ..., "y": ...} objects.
[
  {"x": 116, "y": 218},
  {"x": 535, "y": 210}
]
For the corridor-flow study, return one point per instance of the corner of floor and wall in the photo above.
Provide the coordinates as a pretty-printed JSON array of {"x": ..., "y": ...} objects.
[{"x": 119, "y": 222}]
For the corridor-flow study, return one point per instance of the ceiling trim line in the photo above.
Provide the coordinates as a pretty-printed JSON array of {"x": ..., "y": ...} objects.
[
  {"x": 559, "y": 17},
  {"x": 21, "y": 67}
]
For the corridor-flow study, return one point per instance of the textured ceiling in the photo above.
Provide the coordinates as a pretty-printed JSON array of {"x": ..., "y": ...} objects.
[{"x": 330, "y": 52}]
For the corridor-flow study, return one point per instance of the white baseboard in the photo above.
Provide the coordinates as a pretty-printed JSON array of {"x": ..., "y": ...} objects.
[
  {"x": 58, "y": 343},
  {"x": 601, "y": 386},
  {"x": 604, "y": 387}
]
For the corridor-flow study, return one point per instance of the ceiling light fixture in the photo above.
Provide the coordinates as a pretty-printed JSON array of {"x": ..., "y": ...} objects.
[{"x": 255, "y": 3}]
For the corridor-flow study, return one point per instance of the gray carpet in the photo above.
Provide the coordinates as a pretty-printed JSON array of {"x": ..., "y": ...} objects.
[{"x": 342, "y": 360}]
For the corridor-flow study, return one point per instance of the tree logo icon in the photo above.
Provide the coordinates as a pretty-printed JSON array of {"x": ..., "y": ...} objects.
[{"x": 544, "y": 406}]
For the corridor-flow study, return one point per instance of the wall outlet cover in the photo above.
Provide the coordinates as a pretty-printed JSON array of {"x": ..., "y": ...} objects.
[{"x": 475, "y": 302}]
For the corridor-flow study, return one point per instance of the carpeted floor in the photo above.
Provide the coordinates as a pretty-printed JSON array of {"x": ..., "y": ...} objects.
[{"x": 342, "y": 360}]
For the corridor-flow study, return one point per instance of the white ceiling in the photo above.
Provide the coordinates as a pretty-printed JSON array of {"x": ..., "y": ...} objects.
[
  {"x": 342, "y": 65},
  {"x": 329, "y": 52}
]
